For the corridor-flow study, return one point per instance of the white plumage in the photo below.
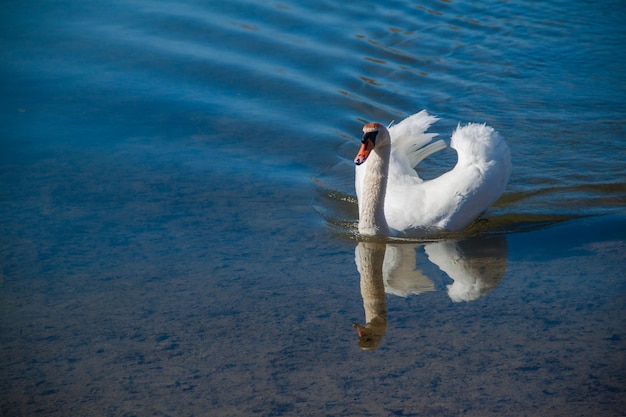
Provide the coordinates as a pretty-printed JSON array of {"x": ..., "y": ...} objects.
[{"x": 394, "y": 200}]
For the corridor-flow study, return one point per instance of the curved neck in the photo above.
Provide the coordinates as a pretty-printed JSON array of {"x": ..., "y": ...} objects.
[{"x": 372, "y": 205}]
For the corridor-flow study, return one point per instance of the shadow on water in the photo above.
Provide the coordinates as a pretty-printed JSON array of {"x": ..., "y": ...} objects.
[{"x": 475, "y": 265}]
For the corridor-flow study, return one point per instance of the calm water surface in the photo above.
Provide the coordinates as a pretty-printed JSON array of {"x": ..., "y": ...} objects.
[{"x": 177, "y": 213}]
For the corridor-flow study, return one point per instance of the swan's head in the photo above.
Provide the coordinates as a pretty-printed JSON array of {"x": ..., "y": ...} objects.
[
  {"x": 374, "y": 136},
  {"x": 371, "y": 334}
]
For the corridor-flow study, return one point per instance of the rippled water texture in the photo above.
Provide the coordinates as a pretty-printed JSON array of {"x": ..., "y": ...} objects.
[{"x": 177, "y": 210}]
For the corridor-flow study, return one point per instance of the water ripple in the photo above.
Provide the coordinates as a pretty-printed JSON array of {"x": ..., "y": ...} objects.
[{"x": 547, "y": 78}]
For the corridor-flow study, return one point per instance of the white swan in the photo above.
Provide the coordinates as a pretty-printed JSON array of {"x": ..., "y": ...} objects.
[{"x": 394, "y": 200}]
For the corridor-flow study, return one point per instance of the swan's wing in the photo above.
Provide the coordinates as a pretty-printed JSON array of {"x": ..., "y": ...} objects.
[
  {"x": 479, "y": 177},
  {"x": 479, "y": 144},
  {"x": 410, "y": 144},
  {"x": 400, "y": 275},
  {"x": 476, "y": 265},
  {"x": 482, "y": 149},
  {"x": 410, "y": 132}
]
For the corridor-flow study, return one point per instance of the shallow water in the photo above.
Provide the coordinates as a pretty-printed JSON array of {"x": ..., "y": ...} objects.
[{"x": 177, "y": 210}]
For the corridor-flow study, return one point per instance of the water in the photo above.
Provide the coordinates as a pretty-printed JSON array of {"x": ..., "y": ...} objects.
[{"x": 177, "y": 209}]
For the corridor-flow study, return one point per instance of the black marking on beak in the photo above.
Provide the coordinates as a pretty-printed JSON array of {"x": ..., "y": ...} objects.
[{"x": 370, "y": 136}]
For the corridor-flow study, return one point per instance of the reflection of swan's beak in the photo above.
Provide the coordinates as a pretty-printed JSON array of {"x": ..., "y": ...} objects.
[
  {"x": 370, "y": 337},
  {"x": 364, "y": 152}
]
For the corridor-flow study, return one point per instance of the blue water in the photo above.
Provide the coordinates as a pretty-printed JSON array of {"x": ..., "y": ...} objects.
[{"x": 177, "y": 208}]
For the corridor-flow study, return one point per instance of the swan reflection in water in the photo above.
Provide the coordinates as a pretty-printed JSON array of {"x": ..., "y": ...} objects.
[{"x": 476, "y": 266}]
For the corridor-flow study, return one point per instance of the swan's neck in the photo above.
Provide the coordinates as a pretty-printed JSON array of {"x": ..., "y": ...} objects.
[{"x": 372, "y": 205}]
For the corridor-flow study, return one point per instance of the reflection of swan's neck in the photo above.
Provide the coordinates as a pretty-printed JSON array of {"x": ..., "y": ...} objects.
[
  {"x": 371, "y": 207},
  {"x": 370, "y": 258}
]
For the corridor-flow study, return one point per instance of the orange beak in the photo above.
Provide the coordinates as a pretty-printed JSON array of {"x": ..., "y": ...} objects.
[
  {"x": 364, "y": 152},
  {"x": 359, "y": 329}
]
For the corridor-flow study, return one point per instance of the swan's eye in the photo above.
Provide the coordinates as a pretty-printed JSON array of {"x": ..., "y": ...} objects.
[{"x": 369, "y": 136}]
